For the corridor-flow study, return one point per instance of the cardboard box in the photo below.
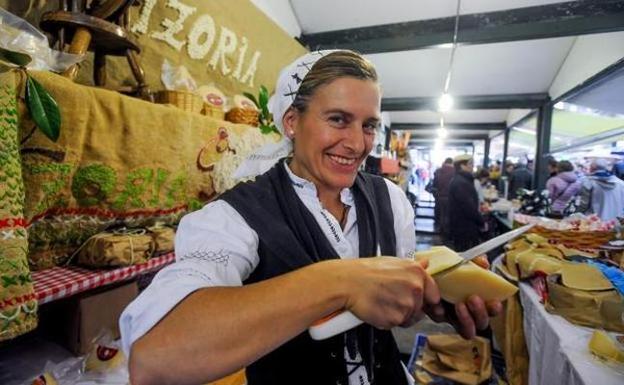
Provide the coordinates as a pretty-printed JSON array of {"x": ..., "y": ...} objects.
[{"x": 77, "y": 321}]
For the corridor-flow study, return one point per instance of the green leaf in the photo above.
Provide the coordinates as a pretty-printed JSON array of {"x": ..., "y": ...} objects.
[
  {"x": 266, "y": 129},
  {"x": 43, "y": 109},
  {"x": 17, "y": 58},
  {"x": 252, "y": 98},
  {"x": 263, "y": 97}
]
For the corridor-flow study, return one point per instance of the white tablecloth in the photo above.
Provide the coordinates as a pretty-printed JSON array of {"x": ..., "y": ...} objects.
[{"x": 558, "y": 349}]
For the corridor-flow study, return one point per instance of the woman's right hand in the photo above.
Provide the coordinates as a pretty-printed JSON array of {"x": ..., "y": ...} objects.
[{"x": 388, "y": 291}]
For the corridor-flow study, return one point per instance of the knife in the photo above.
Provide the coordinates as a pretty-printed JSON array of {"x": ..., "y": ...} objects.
[{"x": 341, "y": 321}]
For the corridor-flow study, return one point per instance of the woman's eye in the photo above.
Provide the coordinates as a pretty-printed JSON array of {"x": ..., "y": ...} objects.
[
  {"x": 337, "y": 119},
  {"x": 370, "y": 128}
]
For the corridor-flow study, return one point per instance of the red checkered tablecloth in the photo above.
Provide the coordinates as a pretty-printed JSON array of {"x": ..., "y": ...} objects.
[{"x": 60, "y": 282}]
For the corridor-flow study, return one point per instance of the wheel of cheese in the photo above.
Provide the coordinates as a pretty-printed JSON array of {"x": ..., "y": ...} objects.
[
  {"x": 44, "y": 379},
  {"x": 104, "y": 358},
  {"x": 241, "y": 101},
  {"x": 212, "y": 96}
]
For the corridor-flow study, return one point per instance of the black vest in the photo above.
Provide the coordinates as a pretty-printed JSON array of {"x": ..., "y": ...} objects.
[{"x": 290, "y": 238}]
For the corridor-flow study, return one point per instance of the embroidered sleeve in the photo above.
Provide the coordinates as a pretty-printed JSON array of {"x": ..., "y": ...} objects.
[{"x": 214, "y": 247}]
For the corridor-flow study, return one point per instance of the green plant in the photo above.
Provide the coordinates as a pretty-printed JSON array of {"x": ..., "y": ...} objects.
[
  {"x": 262, "y": 102},
  {"x": 42, "y": 107}
]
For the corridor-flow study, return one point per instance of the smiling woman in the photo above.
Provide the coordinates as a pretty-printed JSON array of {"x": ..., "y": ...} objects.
[{"x": 261, "y": 264}]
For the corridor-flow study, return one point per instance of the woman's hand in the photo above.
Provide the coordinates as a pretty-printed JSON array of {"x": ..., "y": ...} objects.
[
  {"x": 387, "y": 291},
  {"x": 472, "y": 315}
]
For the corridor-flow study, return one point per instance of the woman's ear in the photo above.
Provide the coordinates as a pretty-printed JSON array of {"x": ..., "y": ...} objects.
[{"x": 290, "y": 121}]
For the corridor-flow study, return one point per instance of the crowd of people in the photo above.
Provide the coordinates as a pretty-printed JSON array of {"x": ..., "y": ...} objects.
[{"x": 459, "y": 192}]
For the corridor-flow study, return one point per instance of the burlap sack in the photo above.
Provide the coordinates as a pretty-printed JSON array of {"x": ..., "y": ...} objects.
[
  {"x": 122, "y": 248},
  {"x": 602, "y": 309},
  {"x": 120, "y": 159},
  {"x": 18, "y": 306},
  {"x": 450, "y": 356}
]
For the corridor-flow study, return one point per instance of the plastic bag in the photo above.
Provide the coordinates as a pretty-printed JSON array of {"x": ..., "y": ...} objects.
[
  {"x": 18, "y": 35},
  {"x": 177, "y": 78}
]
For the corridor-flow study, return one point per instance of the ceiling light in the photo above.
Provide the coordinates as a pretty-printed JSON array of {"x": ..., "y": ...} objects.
[
  {"x": 445, "y": 103},
  {"x": 442, "y": 133}
]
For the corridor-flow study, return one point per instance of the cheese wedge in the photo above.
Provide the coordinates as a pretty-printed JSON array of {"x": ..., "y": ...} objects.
[
  {"x": 458, "y": 283},
  {"x": 440, "y": 258},
  {"x": 536, "y": 239},
  {"x": 582, "y": 276},
  {"x": 605, "y": 347}
]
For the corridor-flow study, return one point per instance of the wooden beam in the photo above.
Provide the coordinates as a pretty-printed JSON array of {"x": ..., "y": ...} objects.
[{"x": 571, "y": 18}]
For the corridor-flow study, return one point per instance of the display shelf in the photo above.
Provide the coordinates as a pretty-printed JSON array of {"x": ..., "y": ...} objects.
[{"x": 61, "y": 282}]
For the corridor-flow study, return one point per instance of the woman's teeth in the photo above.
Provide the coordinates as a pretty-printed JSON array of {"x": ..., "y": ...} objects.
[{"x": 341, "y": 160}]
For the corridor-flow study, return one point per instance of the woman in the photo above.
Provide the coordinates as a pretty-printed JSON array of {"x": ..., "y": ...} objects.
[
  {"x": 258, "y": 266},
  {"x": 563, "y": 187}
]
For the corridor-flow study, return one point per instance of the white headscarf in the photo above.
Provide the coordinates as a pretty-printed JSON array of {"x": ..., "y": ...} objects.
[{"x": 288, "y": 82}]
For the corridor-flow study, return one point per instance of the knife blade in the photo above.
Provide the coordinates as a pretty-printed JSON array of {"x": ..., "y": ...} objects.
[{"x": 489, "y": 245}]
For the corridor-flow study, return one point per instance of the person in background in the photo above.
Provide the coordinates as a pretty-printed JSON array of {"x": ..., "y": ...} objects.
[
  {"x": 495, "y": 173},
  {"x": 519, "y": 177},
  {"x": 464, "y": 218},
  {"x": 618, "y": 169},
  {"x": 441, "y": 182},
  {"x": 551, "y": 166},
  {"x": 563, "y": 187},
  {"x": 602, "y": 192},
  {"x": 482, "y": 179}
]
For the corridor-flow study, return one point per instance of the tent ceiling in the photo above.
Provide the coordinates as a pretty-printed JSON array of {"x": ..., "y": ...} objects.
[
  {"x": 314, "y": 17},
  {"x": 607, "y": 97},
  {"x": 506, "y": 67}
]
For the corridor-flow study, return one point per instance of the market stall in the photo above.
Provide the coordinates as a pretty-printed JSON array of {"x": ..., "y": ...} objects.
[{"x": 568, "y": 290}]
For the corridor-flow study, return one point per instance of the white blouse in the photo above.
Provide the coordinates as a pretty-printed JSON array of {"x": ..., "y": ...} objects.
[{"x": 216, "y": 247}]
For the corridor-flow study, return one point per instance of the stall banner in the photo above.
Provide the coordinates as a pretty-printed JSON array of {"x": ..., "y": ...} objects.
[
  {"x": 18, "y": 303},
  {"x": 119, "y": 160},
  {"x": 230, "y": 44}
]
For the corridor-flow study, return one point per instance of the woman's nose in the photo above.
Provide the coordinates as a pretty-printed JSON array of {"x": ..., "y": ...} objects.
[{"x": 355, "y": 138}]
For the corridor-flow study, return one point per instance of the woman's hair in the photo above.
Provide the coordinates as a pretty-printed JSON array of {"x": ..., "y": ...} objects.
[
  {"x": 564, "y": 165},
  {"x": 329, "y": 68},
  {"x": 552, "y": 162}
]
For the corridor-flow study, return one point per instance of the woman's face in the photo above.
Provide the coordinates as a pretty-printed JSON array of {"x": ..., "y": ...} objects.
[{"x": 335, "y": 133}]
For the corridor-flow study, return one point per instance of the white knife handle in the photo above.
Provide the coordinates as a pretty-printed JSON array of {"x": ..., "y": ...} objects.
[{"x": 333, "y": 324}]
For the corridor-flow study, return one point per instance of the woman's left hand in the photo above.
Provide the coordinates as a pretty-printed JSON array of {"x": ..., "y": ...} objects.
[{"x": 472, "y": 315}]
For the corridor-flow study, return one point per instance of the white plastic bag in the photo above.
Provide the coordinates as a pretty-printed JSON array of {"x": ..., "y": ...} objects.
[{"x": 18, "y": 35}]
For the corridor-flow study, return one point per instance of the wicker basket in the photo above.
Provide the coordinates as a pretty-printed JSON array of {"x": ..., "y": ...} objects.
[
  {"x": 187, "y": 101},
  {"x": 582, "y": 240},
  {"x": 243, "y": 116},
  {"x": 214, "y": 112}
]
